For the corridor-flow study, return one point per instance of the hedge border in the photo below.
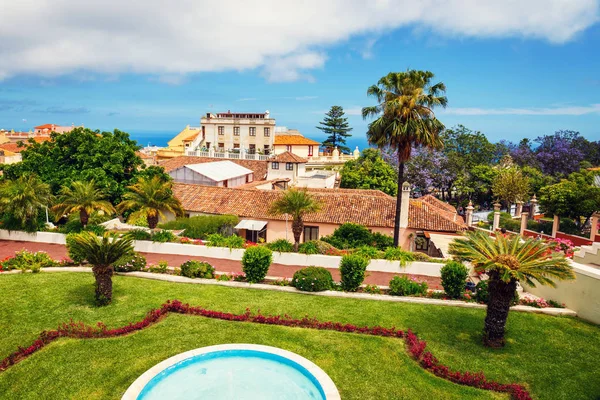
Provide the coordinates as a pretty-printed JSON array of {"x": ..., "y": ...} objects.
[{"x": 416, "y": 348}]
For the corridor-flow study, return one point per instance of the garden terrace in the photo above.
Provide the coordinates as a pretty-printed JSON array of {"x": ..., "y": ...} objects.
[{"x": 553, "y": 357}]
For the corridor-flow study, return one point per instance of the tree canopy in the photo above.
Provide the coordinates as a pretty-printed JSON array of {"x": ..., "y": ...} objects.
[
  {"x": 335, "y": 125},
  {"x": 109, "y": 158},
  {"x": 369, "y": 171}
]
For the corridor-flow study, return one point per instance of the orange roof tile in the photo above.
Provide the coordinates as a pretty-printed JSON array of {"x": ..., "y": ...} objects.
[
  {"x": 288, "y": 157},
  {"x": 293, "y": 139},
  {"x": 338, "y": 207},
  {"x": 46, "y": 126}
]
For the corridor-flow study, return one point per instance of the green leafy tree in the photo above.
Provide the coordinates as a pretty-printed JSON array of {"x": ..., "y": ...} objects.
[
  {"x": 150, "y": 199},
  {"x": 84, "y": 198},
  {"x": 510, "y": 185},
  {"x": 21, "y": 200},
  {"x": 102, "y": 253},
  {"x": 296, "y": 203},
  {"x": 108, "y": 158},
  {"x": 336, "y": 126},
  {"x": 507, "y": 261},
  {"x": 405, "y": 119},
  {"x": 369, "y": 171},
  {"x": 576, "y": 198},
  {"x": 477, "y": 183}
]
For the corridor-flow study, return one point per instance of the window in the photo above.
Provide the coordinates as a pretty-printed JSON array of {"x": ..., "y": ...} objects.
[
  {"x": 311, "y": 233},
  {"x": 236, "y": 145},
  {"x": 289, "y": 166},
  {"x": 267, "y": 132},
  {"x": 252, "y": 131},
  {"x": 310, "y": 151},
  {"x": 221, "y": 146},
  {"x": 236, "y": 131},
  {"x": 274, "y": 165},
  {"x": 252, "y": 149},
  {"x": 267, "y": 149},
  {"x": 221, "y": 130},
  {"x": 288, "y": 147}
]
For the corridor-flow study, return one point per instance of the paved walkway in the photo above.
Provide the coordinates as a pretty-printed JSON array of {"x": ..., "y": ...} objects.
[{"x": 58, "y": 252}]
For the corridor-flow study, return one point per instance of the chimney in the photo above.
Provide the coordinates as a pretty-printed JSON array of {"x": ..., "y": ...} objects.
[{"x": 405, "y": 205}]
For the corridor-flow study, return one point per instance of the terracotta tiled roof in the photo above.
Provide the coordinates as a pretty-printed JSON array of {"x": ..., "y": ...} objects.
[
  {"x": 363, "y": 192},
  {"x": 46, "y": 126},
  {"x": 259, "y": 168},
  {"x": 288, "y": 157},
  {"x": 15, "y": 148},
  {"x": 293, "y": 139},
  {"x": 338, "y": 207}
]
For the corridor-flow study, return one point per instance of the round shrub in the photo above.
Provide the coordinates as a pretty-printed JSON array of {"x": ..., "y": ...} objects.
[
  {"x": 256, "y": 262},
  {"x": 324, "y": 247},
  {"x": 312, "y": 279},
  {"x": 281, "y": 245},
  {"x": 454, "y": 277},
  {"x": 405, "y": 286},
  {"x": 197, "y": 269},
  {"x": 382, "y": 241},
  {"x": 308, "y": 248},
  {"x": 130, "y": 262},
  {"x": 352, "y": 269}
]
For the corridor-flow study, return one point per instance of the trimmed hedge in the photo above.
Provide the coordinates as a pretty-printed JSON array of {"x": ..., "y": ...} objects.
[
  {"x": 256, "y": 262},
  {"x": 454, "y": 277},
  {"x": 404, "y": 286},
  {"x": 352, "y": 269},
  {"x": 312, "y": 279}
]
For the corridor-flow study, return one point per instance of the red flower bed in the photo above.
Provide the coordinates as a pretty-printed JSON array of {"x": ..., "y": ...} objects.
[{"x": 416, "y": 348}]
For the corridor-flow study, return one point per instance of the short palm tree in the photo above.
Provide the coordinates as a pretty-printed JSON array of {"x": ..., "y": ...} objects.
[
  {"x": 507, "y": 261},
  {"x": 83, "y": 197},
  {"x": 102, "y": 253},
  {"x": 23, "y": 198},
  {"x": 150, "y": 198},
  {"x": 296, "y": 203},
  {"x": 405, "y": 119}
]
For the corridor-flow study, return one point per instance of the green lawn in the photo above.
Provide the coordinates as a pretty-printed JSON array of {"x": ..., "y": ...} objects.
[{"x": 555, "y": 358}]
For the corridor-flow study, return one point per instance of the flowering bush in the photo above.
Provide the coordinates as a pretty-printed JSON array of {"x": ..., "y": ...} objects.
[
  {"x": 129, "y": 263},
  {"x": 416, "y": 348},
  {"x": 562, "y": 245},
  {"x": 407, "y": 286},
  {"x": 540, "y": 303},
  {"x": 197, "y": 269},
  {"x": 26, "y": 260},
  {"x": 161, "y": 268},
  {"x": 187, "y": 240},
  {"x": 312, "y": 279},
  {"x": 372, "y": 289}
]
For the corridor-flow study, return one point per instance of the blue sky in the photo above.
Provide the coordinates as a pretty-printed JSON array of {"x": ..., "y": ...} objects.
[{"x": 510, "y": 72}]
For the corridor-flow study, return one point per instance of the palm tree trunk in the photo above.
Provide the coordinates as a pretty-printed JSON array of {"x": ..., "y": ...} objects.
[
  {"x": 501, "y": 295},
  {"x": 103, "y": 275},
  {"x": 83, "y": 217},
  {"x": 152, "y": 221},
  {"x": 297, "y": 226},
  {"x": 398, "y": 201}
]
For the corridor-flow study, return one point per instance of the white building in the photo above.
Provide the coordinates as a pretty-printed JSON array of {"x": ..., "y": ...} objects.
[
  {"x": 252, "y": 133},
  {"x": 219, "y": 173},
  {"x": 290, "y": 166}
]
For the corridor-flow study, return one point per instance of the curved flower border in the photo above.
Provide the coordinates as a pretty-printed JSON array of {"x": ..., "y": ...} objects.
[{"x": 416, "y": 348}]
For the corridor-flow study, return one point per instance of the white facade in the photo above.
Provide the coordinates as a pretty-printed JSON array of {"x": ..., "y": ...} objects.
[{"x": 251, "y": 133}]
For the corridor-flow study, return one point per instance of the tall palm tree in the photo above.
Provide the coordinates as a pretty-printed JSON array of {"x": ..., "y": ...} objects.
[
  {"x": 506, "y": 262},
  {"x": 296, "y": 203},
  {"x": 82, "y": 197},
  {"x": 102, "y": 253},
  {"x": 405, "y": 119},
  {"x": 23, "y": 198},
  {"x": 150, "y": 198}
]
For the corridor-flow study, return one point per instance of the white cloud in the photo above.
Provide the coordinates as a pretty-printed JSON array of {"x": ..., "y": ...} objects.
[
  {"x": 566, "y": 110},
  {"x": 284, "y": 38},
  {"x": 247, "y": 99}
]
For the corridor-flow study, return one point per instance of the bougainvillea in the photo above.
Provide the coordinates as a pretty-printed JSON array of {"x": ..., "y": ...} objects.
[{"x": 416, "y": 348}]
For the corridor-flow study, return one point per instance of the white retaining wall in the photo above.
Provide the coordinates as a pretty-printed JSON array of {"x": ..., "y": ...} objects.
[
  {"x": 581, "y": 295},
  {"x": 144, "y": 246}
]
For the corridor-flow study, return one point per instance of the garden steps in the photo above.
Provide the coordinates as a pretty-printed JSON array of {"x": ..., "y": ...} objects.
[{"x": 588, "y": 254}]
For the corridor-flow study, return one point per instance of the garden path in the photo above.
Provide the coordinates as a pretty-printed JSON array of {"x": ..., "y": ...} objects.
[{"x": 59, "y": 251}]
